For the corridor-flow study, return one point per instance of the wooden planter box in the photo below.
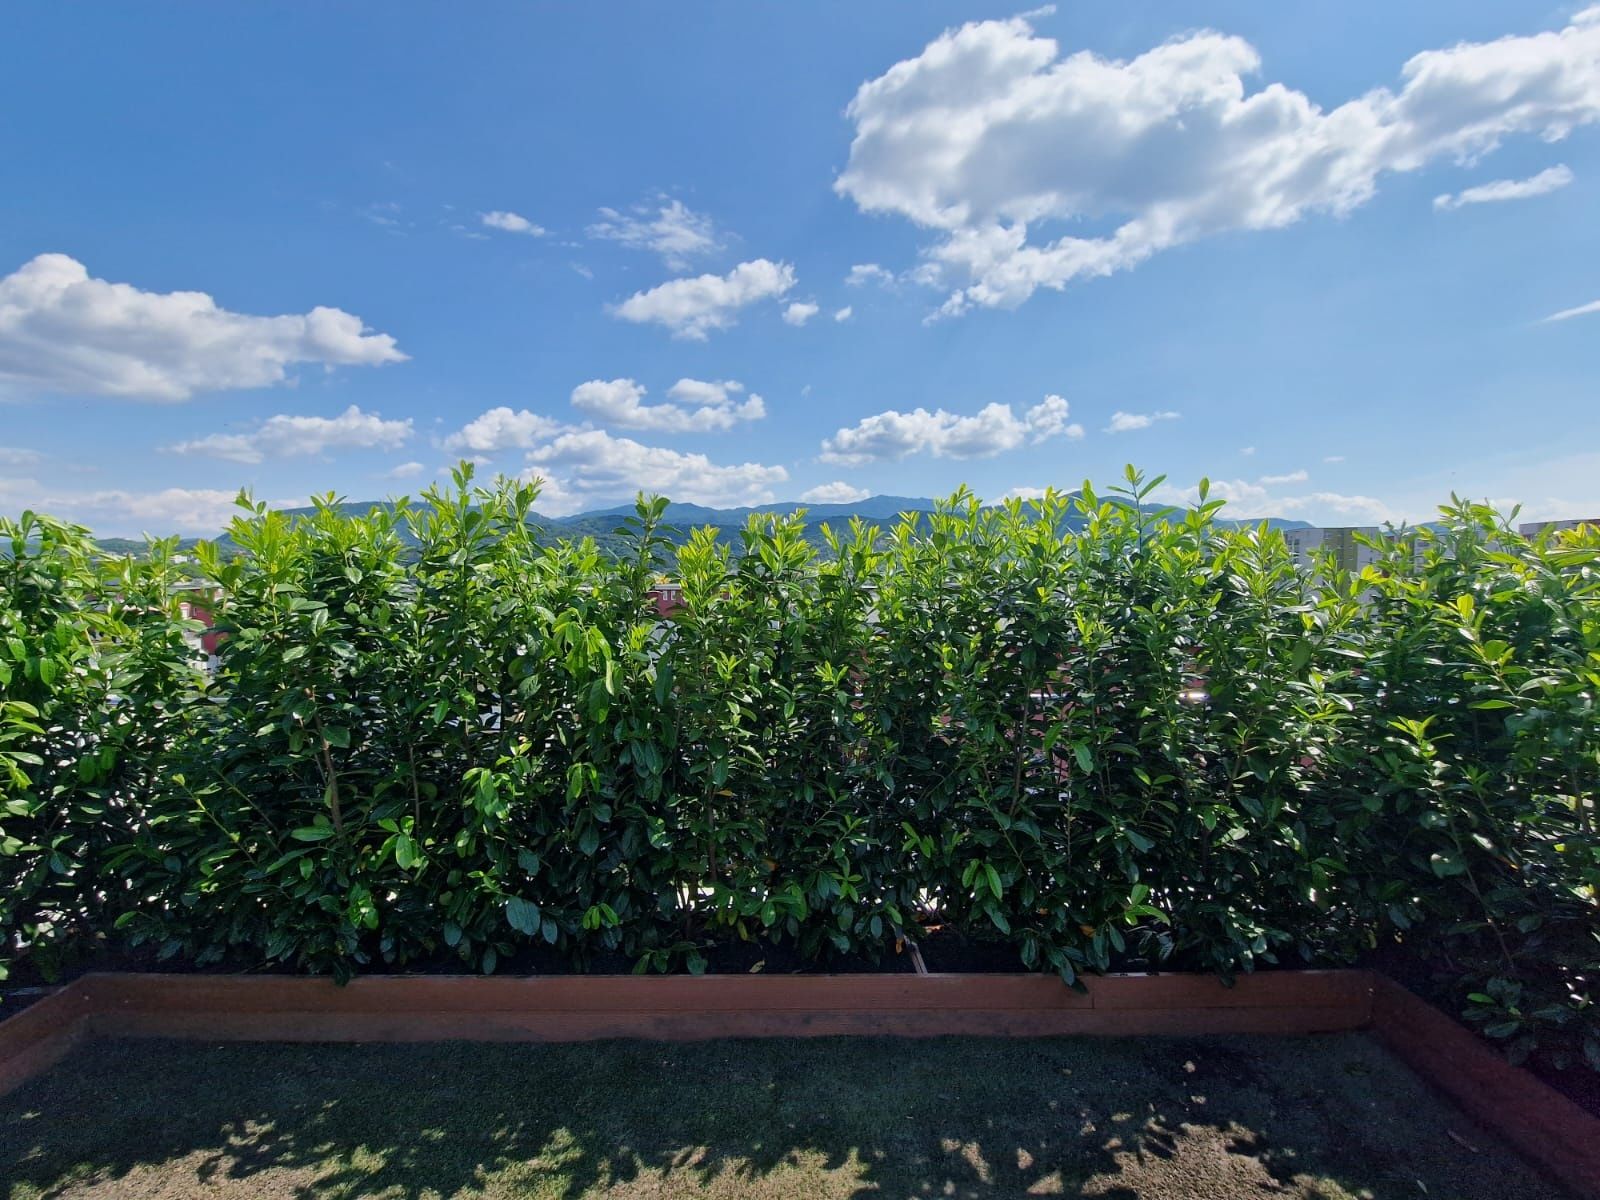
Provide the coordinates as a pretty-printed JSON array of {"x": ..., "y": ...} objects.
[{"x": 1541, "y": 1123}]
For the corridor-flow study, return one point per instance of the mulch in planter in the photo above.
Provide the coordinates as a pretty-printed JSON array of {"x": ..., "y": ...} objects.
[{"x": 1232, "y": 1118}]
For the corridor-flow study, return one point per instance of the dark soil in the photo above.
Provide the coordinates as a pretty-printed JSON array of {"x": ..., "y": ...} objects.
[{"x": 1313, "y": 1118}]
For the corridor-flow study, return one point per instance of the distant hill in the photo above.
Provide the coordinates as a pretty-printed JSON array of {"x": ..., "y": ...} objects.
[
  {"x": 602, "y": 524},
  {"x": 873, "y": 508}
]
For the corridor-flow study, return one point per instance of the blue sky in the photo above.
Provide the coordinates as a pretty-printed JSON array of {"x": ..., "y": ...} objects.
[{"x": 314, "y": 248}]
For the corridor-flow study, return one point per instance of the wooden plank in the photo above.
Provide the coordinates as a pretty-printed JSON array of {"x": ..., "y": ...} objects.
[
  {"x": 709, "y": 993},
  {"x": 41, "y": 1034},
  {"x": 730, "y": 993},
  {"x": 1539, "y": 1121},
  {"x": 567, "y": 1007},
  {"x": 579, "y": 1026},
  {"x": 689, "y": 1026},
  {"x": 1274, "y": 989},
  {"x": 424, "y": 1008}
]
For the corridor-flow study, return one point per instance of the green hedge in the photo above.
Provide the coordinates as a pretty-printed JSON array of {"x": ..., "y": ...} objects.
[{"x": 1100, "y": 736}]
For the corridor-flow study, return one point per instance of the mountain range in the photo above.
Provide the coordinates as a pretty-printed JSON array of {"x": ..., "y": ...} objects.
[{"x": 602, "y": 524}]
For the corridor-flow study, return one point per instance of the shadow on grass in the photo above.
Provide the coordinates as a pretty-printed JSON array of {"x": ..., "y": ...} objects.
[{"x": 1312, "y": 1117}]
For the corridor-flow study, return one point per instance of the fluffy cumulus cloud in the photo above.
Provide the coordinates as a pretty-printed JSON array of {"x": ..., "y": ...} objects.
[
  {"x": 63, "y": 331},
  {"x": 696, "y": 406},
  {"x": 405, "y": 470},
  {"x": 664, "y": 226},
  {"x": 176, "y": 509},
  {"x": 694, "y": 307},
  {"x": 889, "y": 436},
  {"x": 510, "y": 222},
  {"x": 584, "y": 466},
  {"x": 844, "y": 314},
  {"x": 502, "y": 429},
  {"x": 1364, "y": 510},
  {"x": 1048, "y": 419},
  {"x": 1264, "y": 497},
  {"x": 1127, "y": 422},
  {"x": 122, "y": 513},
  {"x": 837, "y": 492},
  {"x": 1546, "y": 181},
  {"x": 991, "y": 136},
  {"x": 800, "y": 312},
  {"x": 286, "y": 436}
]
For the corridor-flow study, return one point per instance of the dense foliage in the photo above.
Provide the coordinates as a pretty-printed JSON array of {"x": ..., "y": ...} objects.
[{"x": 1103, "y": 737}]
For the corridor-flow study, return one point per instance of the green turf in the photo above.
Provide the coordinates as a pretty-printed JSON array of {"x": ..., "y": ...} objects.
[{"x": 1148, "y": 1119}]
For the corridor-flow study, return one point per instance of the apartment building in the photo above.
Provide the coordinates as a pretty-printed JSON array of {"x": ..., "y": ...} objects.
[
  {"x": 1342, "y": 542},
  {"x": 1530, "y": 529}
]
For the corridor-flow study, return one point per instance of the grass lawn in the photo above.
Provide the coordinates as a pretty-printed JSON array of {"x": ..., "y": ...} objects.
[{"x": 1151, "y": 1119}]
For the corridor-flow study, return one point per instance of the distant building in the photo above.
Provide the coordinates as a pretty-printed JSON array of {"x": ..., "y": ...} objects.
[
  {"x": 197, "y": 604},
  {"x": 1535, "y": 528},
  {"x": 1349, "y": 554},
  {"x": 668, "y": 598}
]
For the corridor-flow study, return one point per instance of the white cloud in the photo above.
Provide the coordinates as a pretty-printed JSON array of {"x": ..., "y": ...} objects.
[
  {"x": 174, "y": 509},
  {"x": 1048, "y": 419},
  {"x": 62, "y": 331},
  {"x": 865, "y": 273},
  {"x": 1564, "y": 487},
  {"x": 16, "y": 456},
  {"x": 1549, "y": 508},
  {"x": 1247, "y": 451},
  {"x": 714, "y": 393},
  {"x": 889, "y": 436},
  {"x": 701, "y": 406},
  {"x": 510, "y": 222},
  {"x": 502, "y": 429},
  {"x": 1125, "y": 422},
  {"x": 990, "y": 135},
  {"x": 1248, "y": 500},
  {"x": 285, "y": 436},
  {"x": 666, "y": 226},
  {"x": 590, "y": 464},
  {"x": 406, "y": 470},
  {"x": 844, "y": 314},
  {"x": 1366, "y": 510},
  {"x": 121, "y": 513},
  {"x": 1245, "y": 499},
  {"x": 1333, "y": 458},
  {"x": 1545, "y": 181},
  {"x": 837, "y": 492},
  {"x": 1020, "y": 493},
  {"x": 1291, "y": 477},
  {"x": 693, "y": 307},
  {"x": 554, "y": 499},
  {"x": 1566, "y": 314},
  {"x": 799, "y": 313}
]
